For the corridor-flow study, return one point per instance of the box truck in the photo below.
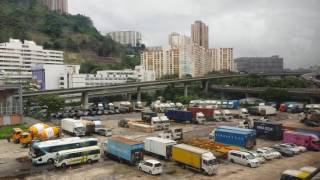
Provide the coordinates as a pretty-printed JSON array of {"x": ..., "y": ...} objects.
[
  {"x": 124, "y": 149},
  {"x": 270, "y": 130},
  {"x": 74, "y": 127},
  {"x": 159, "y": 146},
  {"x": 309, "y": 141},
  {"x": 195, "y": 158},
  {"x": 234, "y": 136}
]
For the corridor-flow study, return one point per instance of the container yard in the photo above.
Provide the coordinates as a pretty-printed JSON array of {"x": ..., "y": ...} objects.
[{"x": 163, "y": 145}]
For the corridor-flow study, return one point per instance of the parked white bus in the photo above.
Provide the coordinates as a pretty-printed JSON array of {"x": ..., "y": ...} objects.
[
  {"x": 46, "y": 151},
  {"x": 77, "y": 156}
]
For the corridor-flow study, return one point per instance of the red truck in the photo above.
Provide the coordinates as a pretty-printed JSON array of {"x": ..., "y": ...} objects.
[{"x": 208, "y": 112}]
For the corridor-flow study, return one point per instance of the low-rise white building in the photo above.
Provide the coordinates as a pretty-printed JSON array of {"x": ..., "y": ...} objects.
[
  {"x": 68, "y": 76},
  {"x": 17, "y": 58}
]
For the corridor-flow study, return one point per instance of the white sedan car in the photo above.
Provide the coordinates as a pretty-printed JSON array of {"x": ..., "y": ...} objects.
[
  {"x": 268, "y": 153},
  {"x": 301, "y": 148},
  {"x": 151, "y": 166}
]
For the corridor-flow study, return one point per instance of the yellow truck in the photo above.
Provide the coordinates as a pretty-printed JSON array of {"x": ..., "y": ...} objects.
[{"x": 195, "y": 158}]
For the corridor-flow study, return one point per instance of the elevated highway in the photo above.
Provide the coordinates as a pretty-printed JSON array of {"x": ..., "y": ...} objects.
[{"x": 86, "y": 91}]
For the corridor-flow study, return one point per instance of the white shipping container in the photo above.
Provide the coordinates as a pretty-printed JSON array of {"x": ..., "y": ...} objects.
[{"x": 159, "y": 146}]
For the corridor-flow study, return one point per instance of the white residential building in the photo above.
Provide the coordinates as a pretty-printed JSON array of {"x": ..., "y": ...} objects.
[
  {"x": 132, "y": 38},
  {"x": 16, "y": 59}
]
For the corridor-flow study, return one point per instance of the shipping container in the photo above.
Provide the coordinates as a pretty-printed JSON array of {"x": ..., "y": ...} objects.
[
  {"x": 179, "y": 116},
  {"x": 208, "y": 112},
  {"x": 159, "y": 146},
  {"x": 124, "y": 149},
  {"x": 195, "y": 158},
  {"x": 235, "y": 136},
  {"x": 270, "y": 130}
]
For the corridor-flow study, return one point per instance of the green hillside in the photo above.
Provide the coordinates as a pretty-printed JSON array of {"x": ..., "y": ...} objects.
[{"x": 74, "y": 34}]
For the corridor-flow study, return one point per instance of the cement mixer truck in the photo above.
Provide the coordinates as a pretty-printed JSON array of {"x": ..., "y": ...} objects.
[{"x": 40, "y": 132}]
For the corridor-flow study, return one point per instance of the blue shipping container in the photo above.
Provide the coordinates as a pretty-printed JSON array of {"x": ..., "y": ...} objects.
[
  {"x": 235, "y": 136},
  {"x": 270, "y": 130},
  {"x": 180, "y": 116},
  {"x": 126, "y": 149}
]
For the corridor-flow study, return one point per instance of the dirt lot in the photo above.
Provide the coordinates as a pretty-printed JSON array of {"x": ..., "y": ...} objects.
[{"x": 14, "y": 165}]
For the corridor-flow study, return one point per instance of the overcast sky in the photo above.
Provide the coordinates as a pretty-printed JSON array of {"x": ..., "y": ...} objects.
[{"x": 289, "y": 28}]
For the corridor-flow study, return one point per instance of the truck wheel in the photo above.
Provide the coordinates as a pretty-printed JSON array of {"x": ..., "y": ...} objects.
[
  {"x": 232, "y": 160},
  {"x": 249, "y": 165},
  {"x": 50, "y": 161},
  {"x": 17, "y": 141},
  {"x": 63, "y": 165},
  {"x": 150, "y": 172}
]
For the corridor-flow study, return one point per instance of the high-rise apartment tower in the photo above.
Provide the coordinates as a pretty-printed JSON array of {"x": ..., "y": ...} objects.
[{"x": 200, "y": 34}]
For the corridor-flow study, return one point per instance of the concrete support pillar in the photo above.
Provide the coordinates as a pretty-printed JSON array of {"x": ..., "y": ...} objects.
[
  {"x": 85, "y": 100},
  {"x": 129, "y": 96},
  {"x": 185, "y": 89},
  {"x": 139, "y": 94},
  {"x": 205, "y": 86}
]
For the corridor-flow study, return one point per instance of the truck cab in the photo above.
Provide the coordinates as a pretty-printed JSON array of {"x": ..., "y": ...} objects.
[
  {"x": 200, "y": 118},
  {"x": 165, "y": 122},
  {"x": 25, "y": 138},
  {"x": 16, "y": 134},
  {"x": 243, "y": 113},
  {"x": 209, "y": 163},
  {"x": 156, "y": 123},
  {"x": 226, "y": 115},
  {"x": 217, "y": 115}
]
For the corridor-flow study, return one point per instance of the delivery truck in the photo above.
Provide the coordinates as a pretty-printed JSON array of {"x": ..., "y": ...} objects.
[
  {"x": 270, "y": 130},
  {"x": 124, "y": 149},
  {"x": 235, "y": 136},
  {"x": 159, "y": 146},
  {"x": 309, "y": 141},
  {"x": 74, "y": 127},
  {"x": 195, "y": 158}
]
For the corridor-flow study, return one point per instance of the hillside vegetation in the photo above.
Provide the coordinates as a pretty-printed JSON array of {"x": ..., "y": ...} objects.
[{"x": 74, "y": 34}]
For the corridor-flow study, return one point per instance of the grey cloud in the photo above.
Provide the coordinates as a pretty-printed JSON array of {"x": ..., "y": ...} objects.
[{"x": 290, "y": 28}]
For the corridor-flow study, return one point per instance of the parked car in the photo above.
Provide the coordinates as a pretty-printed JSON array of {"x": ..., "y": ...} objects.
[
  {"x": 285, "y": 151},
  {"x": 151, "y": 166},
  {"x": 268, "y": 153},
  {"x": 301, "y": 148},
  {"x": 295, "y": 149},
  {"x": 243, "y": 158},
  {"x": 258, "y": 156}
]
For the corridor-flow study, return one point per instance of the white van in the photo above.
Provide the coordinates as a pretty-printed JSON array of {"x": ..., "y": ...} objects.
[
  {"x": 243, "y": 158},
  {"x": 151, "y": 166}
]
